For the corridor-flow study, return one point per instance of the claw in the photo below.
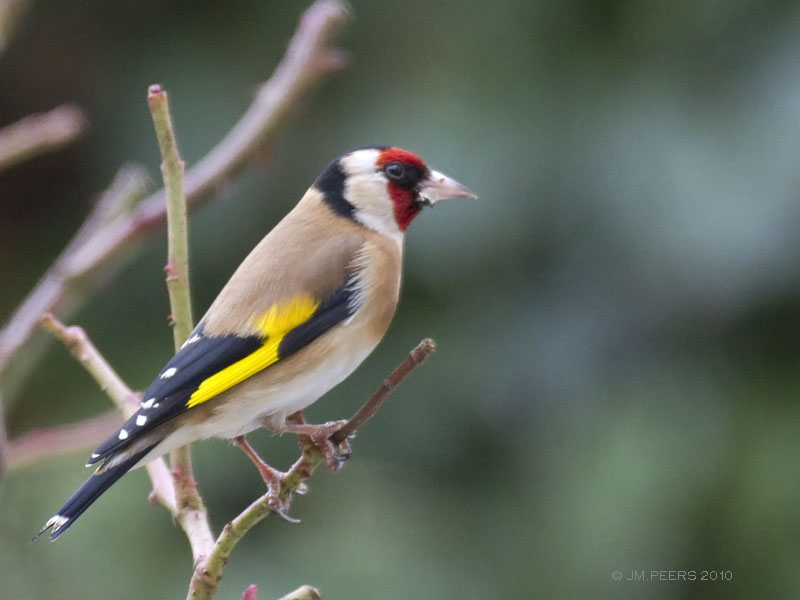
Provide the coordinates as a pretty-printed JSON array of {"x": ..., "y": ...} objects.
[
  {"x": 345, "y": 450},
  {"x": 279, "y": 507},
  {"x": 319, "y": 435}
]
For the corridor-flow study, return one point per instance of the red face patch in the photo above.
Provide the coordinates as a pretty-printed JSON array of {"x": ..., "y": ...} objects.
[
  {"x": 405, "y": 208},
  {"x": 403, "y": 201},
  {"x": 399, "y": 155}
]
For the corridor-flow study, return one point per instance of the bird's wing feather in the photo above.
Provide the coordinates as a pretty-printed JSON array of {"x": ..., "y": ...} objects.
[{"x": 211, "y": 362}]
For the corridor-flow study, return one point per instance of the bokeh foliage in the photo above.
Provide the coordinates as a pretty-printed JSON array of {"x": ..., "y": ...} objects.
[{"x": 616, "y": 386}]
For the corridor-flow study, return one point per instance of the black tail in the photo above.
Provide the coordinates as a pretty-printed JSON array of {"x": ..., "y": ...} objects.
[{"x": 83, "y": 498}]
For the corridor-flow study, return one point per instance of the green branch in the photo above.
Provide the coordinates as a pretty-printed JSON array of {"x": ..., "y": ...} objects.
[
  {"x": 192, "y": 513},
  {"x": 172, "y": 167},
  {"x": 209, "y": 572}
]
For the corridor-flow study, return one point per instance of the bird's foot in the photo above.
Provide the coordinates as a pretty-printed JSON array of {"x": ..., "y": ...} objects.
[
  {"x": 272, "y": 478},
  {"x": 280, "y": 506},
  {"x": 333, "y": 455}
]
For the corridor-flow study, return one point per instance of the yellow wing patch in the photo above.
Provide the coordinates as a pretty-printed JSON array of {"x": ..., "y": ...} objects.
[{"x": 273, "y": 325}]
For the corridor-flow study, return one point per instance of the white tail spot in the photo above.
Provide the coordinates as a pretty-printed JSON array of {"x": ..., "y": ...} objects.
[
  {"x": 141, "y": 420},
  {"x": 169, "y": 373},
  {"x": 149, "y": 403},
  {"x": 57, "y": 522},
  {"x": 123, "y": 434}
]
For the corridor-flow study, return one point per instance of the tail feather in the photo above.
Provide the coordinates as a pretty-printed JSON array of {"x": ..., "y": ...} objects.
[{"x": 90, "y": 491}]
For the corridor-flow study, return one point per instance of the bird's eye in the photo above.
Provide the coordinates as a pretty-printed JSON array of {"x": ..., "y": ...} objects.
[{"x": 395, "y": 171}]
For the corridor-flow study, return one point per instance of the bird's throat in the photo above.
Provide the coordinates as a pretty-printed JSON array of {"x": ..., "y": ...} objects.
[{"x": 405, "y": 205}]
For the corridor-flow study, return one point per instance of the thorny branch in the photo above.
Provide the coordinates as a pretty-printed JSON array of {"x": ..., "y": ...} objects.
[
  {"x": 192, "y": 514},
  {"x": 172, "y": 167},
  {"x": 208, "y": 570},
  {"x": 208, "y": 573}
]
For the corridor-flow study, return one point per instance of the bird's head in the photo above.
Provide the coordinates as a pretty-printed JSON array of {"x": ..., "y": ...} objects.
[{"x": 384, "y": 188}]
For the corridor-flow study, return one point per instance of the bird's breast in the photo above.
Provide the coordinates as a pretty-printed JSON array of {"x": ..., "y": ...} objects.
[{"x": 297, "y": 381}]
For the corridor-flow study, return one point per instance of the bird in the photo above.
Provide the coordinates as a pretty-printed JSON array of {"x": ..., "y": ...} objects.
[{"x": 307, "y": 305}]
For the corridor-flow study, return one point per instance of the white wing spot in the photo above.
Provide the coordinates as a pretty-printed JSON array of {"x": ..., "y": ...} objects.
[
  {"x": 141, "y": 420},
  {"x": 191, "y": 340},
  {"x": 169, "y": 373},
  {"x": 123, "y": 434},
  {"x": 149, "y": 403}
]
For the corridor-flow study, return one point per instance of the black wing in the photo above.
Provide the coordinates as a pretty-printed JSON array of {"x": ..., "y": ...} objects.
[{"x": 201, "y": 357}]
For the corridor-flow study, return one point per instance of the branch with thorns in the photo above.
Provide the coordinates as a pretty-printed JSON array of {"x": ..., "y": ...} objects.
[{"x": 208, "y": 569}]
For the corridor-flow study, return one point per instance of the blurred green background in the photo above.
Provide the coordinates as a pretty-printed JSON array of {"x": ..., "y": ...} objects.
[{"x": 618, "y": 316}]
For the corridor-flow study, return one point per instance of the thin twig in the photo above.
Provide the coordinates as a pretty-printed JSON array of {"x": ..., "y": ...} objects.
[
  {"x": 308, "y": 58},
  {"x": 37, "y": 134},
  {"x": 415, "y": 358},
  {"x": 47, "y": 442},
  {"x": 78, "y": 343},
  {"x": 127, "y": 401},
  {"x": 192, "y": 514},
  {"x": 208, "y": 573},
  {"x": 177, "y": 269},
  {"x": 60, "y": 286}
]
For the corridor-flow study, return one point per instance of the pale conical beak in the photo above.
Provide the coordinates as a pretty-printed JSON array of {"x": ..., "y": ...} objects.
[{"x": 438, "y": 186}]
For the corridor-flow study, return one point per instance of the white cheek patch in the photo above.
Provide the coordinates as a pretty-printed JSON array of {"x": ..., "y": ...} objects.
[{"x": 365, "y": 189}]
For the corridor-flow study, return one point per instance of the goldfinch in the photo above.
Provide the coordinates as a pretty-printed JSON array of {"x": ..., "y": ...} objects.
[{"x": 304, "y": 309}]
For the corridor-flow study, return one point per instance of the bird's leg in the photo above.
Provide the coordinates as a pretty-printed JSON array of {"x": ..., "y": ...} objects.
[
  {"x": 319, "y": 435},
  {"x": 272, "y": 477}
]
